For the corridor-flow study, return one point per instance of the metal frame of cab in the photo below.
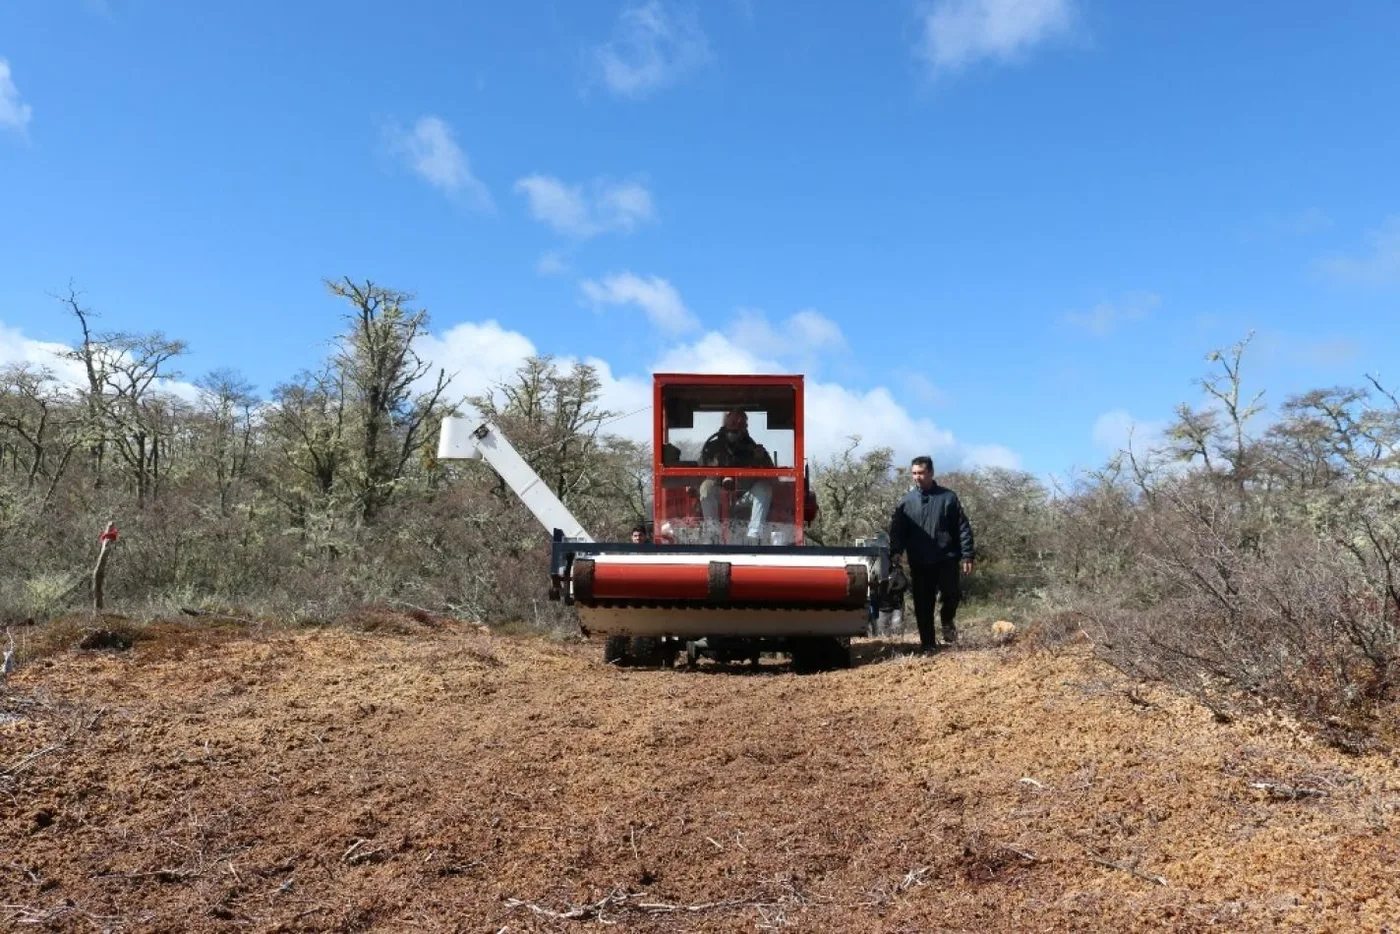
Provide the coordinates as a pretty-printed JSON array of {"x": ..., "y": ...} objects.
[{"x": 660, "y": 471}]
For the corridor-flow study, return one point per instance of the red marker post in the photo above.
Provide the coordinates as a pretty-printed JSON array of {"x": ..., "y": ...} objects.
[{"x": 108, "y": 538}]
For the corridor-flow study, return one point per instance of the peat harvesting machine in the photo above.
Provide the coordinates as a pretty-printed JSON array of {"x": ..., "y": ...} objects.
[{"x": 726, "y": 571}]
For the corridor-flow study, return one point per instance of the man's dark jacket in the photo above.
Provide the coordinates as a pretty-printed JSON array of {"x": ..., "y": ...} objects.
[
  {"x": 931, "y": 526},
  {"x": 746, "y": 452}
]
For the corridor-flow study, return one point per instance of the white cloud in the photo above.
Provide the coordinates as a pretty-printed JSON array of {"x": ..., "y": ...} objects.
[
  {"x": 1115, "y": 430},
  {"x": 476, "y": 355},
  {"x": 807, "y": 331},
  {"x": 991, "y": 455},
  {"x": 623, "y": 206},
  {"x": 922, "y": 388},
  {"x": 551, "y": 264},
  {"x": 431, "y": 150},
  {"x": 653, "y": 47},
  {"x": 959, "y": 32},
  {"x": 14, "y": 112},
  {"x": 835, "y": 412},
  {"x": 1313, "y": 350},
  {"x": 1106, "y": 316},
  {"x": 1378, "y": 268},
  {"x": 655, "y": 296},
  {"x": 556, "y": 204},
  {"x": 715, "y": 353},
  {"x": 483, "y": 354},
  {"x": 15, "y": 349},
  {"x": 612, "y": 206}
]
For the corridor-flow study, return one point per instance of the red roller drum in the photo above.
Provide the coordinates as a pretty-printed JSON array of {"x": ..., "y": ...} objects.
[
  {"x": 787, "y": 584},
  {"x": 650, "y": 581},
  {"x": 720, "y": 582}
]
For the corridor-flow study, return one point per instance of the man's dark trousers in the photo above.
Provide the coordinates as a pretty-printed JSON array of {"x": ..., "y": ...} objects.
[{"x": 928, "y": 582}]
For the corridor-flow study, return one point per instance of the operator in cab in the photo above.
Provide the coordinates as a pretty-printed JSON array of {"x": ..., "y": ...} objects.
[{"x": 733, "y": 446}]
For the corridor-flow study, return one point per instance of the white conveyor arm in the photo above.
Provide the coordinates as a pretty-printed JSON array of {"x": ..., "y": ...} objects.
[{"x": 470, "y": 437}]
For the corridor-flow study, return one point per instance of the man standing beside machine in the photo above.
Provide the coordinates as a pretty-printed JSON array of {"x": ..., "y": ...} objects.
[{"x": 930, "y": 526}]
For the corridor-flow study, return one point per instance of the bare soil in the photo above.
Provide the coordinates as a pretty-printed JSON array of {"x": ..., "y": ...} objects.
[{"x": 424, "y": 776}]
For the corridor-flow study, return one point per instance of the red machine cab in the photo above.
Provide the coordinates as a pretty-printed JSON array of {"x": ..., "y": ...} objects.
[{"x": 729, "y": 465}]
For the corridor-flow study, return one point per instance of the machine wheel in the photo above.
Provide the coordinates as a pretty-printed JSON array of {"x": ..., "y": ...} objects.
[
  {"x": 841, "y": 652},
  {"x": 819, "y": 653},
  {"x": 615, "y": 650},
  {"x": 647, "y": 652}
]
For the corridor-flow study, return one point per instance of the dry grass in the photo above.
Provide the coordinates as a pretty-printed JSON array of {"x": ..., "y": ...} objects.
[{"x": 448, "y": 778}]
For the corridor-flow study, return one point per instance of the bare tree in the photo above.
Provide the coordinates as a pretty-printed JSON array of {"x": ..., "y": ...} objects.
[
  {"x": 226, "y": 404},
  {"x": 856, "y": 494},
  {"x": 1226, "y": 388},
  {"x": 35, "y": 407},
  {"x": 91, "y": 353},
  {"x": 557, "y": 423},
  {"x": 136, "y": 409},
  {"x": 307, "y": 426},
  {"x": 380, "y": 372}
]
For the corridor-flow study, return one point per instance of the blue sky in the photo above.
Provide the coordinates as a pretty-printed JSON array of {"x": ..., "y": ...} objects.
[{"x": 999, "y": 230}]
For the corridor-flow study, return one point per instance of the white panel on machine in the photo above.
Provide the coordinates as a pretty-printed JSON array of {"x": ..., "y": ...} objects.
[
  {"x": 471, "y": 438},
  {"x": 455, "y": 441}
]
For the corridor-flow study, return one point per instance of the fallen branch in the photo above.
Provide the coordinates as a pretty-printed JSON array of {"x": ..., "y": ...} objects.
[
  {"x": 1282, "y": 792},
  {"x": 33, "y": 876},
  {"x": 1139, "y": 700},
  {"x": 914, "y": 877},
  {"x": 8, "y": 664},
  {"x": 192, "y": 611},
  {"x": 355, "y": 855},
  {"x": 420, "y": 609},
  {"x": 164, "y": 875},
  {"x": 1130, "y": 868},
  {"x": 620, "y": 900},
  {"x": 664, "y": 908},
  {"x": 28, "y": 760},
  {"x": 577, "y": 913},
  {"x": 23, "y": 914}
]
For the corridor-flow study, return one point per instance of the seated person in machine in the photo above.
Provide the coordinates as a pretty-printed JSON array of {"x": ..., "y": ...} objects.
[{"x": 733, "y": 446}]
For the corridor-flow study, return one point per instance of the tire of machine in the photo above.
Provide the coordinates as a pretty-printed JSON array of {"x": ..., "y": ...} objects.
[
  {"x": 840, "y": 652},
  {"x": 803, "y": 650},
  {"x": 647, "y": 652},
  {"x": 811, "y": 654},
  {"x": 615, "y": 650}
]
